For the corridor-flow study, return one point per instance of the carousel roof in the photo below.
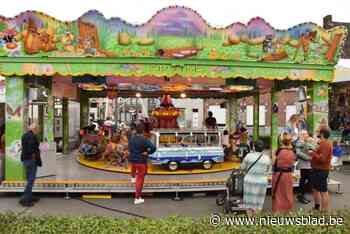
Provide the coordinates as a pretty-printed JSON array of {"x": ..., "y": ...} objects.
[{"x": 175, "y": 41}]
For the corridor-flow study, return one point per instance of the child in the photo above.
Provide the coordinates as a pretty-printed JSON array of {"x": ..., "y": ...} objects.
[
  {"x": 311, "y": 143},
  {"x": 86, "y": 148},
  {"x": 337, "y": 154},
  {"x": 231, "y": 152}
]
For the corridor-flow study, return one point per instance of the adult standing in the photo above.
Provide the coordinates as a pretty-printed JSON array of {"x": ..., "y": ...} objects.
[
  {"x": 292, "y": 127},
  {"x": 320, "y": 164},
  {"x": 304, "y": 164},
  {"x": 256, "y": 181},
  {"x": 346, "y": 132},
  {"x": 282, "y": 177},
  {"x": 139, "y": 149},
  {"x": 210, "y": 122},
  {"x": 31, "y": 159},
  {"x": 302, "y": 124}
]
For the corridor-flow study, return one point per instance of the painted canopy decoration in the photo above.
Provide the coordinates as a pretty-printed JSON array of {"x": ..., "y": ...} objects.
[{"x": 172, "y": 33}]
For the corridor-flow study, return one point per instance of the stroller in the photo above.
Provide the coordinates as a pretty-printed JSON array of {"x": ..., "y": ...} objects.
[{"x": 232, "y": 198}]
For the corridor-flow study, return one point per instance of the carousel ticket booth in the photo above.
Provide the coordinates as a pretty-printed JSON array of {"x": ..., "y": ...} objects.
[{"x": 175, "y": 53}]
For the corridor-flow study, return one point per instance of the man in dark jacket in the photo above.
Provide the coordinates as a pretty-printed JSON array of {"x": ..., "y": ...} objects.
[
  {"x": 139, "y": 149},
  {"x": 30, "y": 158}
]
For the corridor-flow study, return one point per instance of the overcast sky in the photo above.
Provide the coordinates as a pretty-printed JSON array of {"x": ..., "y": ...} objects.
[{"x": 280, "y": 13}]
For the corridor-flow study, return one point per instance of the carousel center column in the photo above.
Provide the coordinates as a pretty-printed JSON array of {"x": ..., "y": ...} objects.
[
  {"x": 16, "y": 115},
  {"x": 317, "y": 110},
  {"x": 232, "y": 114}
]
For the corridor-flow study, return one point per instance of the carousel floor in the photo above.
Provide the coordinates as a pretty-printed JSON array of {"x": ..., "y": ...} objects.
[
  {"x": 158, "y": 170},
  {"x": 63, "y": 174}
]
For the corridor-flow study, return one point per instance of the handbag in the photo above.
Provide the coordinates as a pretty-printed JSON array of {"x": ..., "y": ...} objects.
[
  {"x": 38, "y": 160},
  {"x": 236, "y": 181}
]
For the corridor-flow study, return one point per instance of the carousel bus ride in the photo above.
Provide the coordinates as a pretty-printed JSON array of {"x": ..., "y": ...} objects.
[{"x": 178, "y": 147}]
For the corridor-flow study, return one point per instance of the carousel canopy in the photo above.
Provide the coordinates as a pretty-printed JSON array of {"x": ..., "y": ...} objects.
[{"x": 176, "y": 41}]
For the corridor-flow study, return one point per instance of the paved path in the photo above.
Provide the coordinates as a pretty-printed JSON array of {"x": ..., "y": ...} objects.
[{"x": 155, "y": 207}]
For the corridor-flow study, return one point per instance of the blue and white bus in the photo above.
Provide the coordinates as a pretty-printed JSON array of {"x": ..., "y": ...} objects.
[{"x": 177, "y": 147}]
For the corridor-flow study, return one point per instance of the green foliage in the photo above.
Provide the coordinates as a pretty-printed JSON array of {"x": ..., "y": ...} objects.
[
  {"x": 13, "y": 223},
  {"x": 3, "y": 26}
]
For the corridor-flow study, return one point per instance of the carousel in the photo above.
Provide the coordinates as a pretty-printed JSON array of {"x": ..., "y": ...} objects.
[
  {"x": 179, "y": 151},
  {"x": 49, "y": 64}
]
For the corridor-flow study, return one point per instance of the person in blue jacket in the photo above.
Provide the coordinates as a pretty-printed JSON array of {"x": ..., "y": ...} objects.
[{"x": 139, "y": 149}]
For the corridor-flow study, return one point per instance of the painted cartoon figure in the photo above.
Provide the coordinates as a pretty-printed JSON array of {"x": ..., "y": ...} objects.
[
  {"x": 304, "y": 42},
  {"x": 13, "y": 114},
  {"x": 88, "y": 44},
  {"x": 267, "y": 44},
  {"x": 15, "y": 149}
]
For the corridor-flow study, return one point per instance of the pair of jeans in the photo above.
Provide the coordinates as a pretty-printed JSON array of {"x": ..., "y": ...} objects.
[
  {"x": 30, "y": 167},
  {"x": 139, "y": 170},
  {"x": 305, "y": 180}
]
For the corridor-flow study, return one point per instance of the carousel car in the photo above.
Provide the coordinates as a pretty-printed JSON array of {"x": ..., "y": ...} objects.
[{"x": 179, "y": 147}]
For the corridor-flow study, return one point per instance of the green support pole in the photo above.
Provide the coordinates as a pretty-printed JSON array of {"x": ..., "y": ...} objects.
[
  {"x": 49, "y": 121},
  {"x": 317, "y": 111},
  {"x": 65, "y": 122},
  {"x": 41, "y": 120},
  {"x": 256, "y": 117},
  {"x": 84, "y": 111},
  {"x": 16, "y": 104},
  {"x": 274, "y": 122}
]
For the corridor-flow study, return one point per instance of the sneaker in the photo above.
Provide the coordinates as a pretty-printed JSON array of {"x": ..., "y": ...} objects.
[
  {"x": 133, "y": 180},
  {"x": 302, "y": 199},
  {"x": 139, "y": 201}
]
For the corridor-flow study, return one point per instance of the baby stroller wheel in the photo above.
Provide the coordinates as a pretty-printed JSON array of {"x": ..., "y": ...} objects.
[
  {"x": 220, "y": 200},
  {"x": 227, "y": 207}
]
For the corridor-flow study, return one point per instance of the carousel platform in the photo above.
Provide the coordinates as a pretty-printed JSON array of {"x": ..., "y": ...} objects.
[
  {"x": 158, "y": 170},
  {"x": 63, "y": 174}
]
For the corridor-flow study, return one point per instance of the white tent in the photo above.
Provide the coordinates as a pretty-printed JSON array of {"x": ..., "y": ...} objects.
[{"x": 342, "y": 71}]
